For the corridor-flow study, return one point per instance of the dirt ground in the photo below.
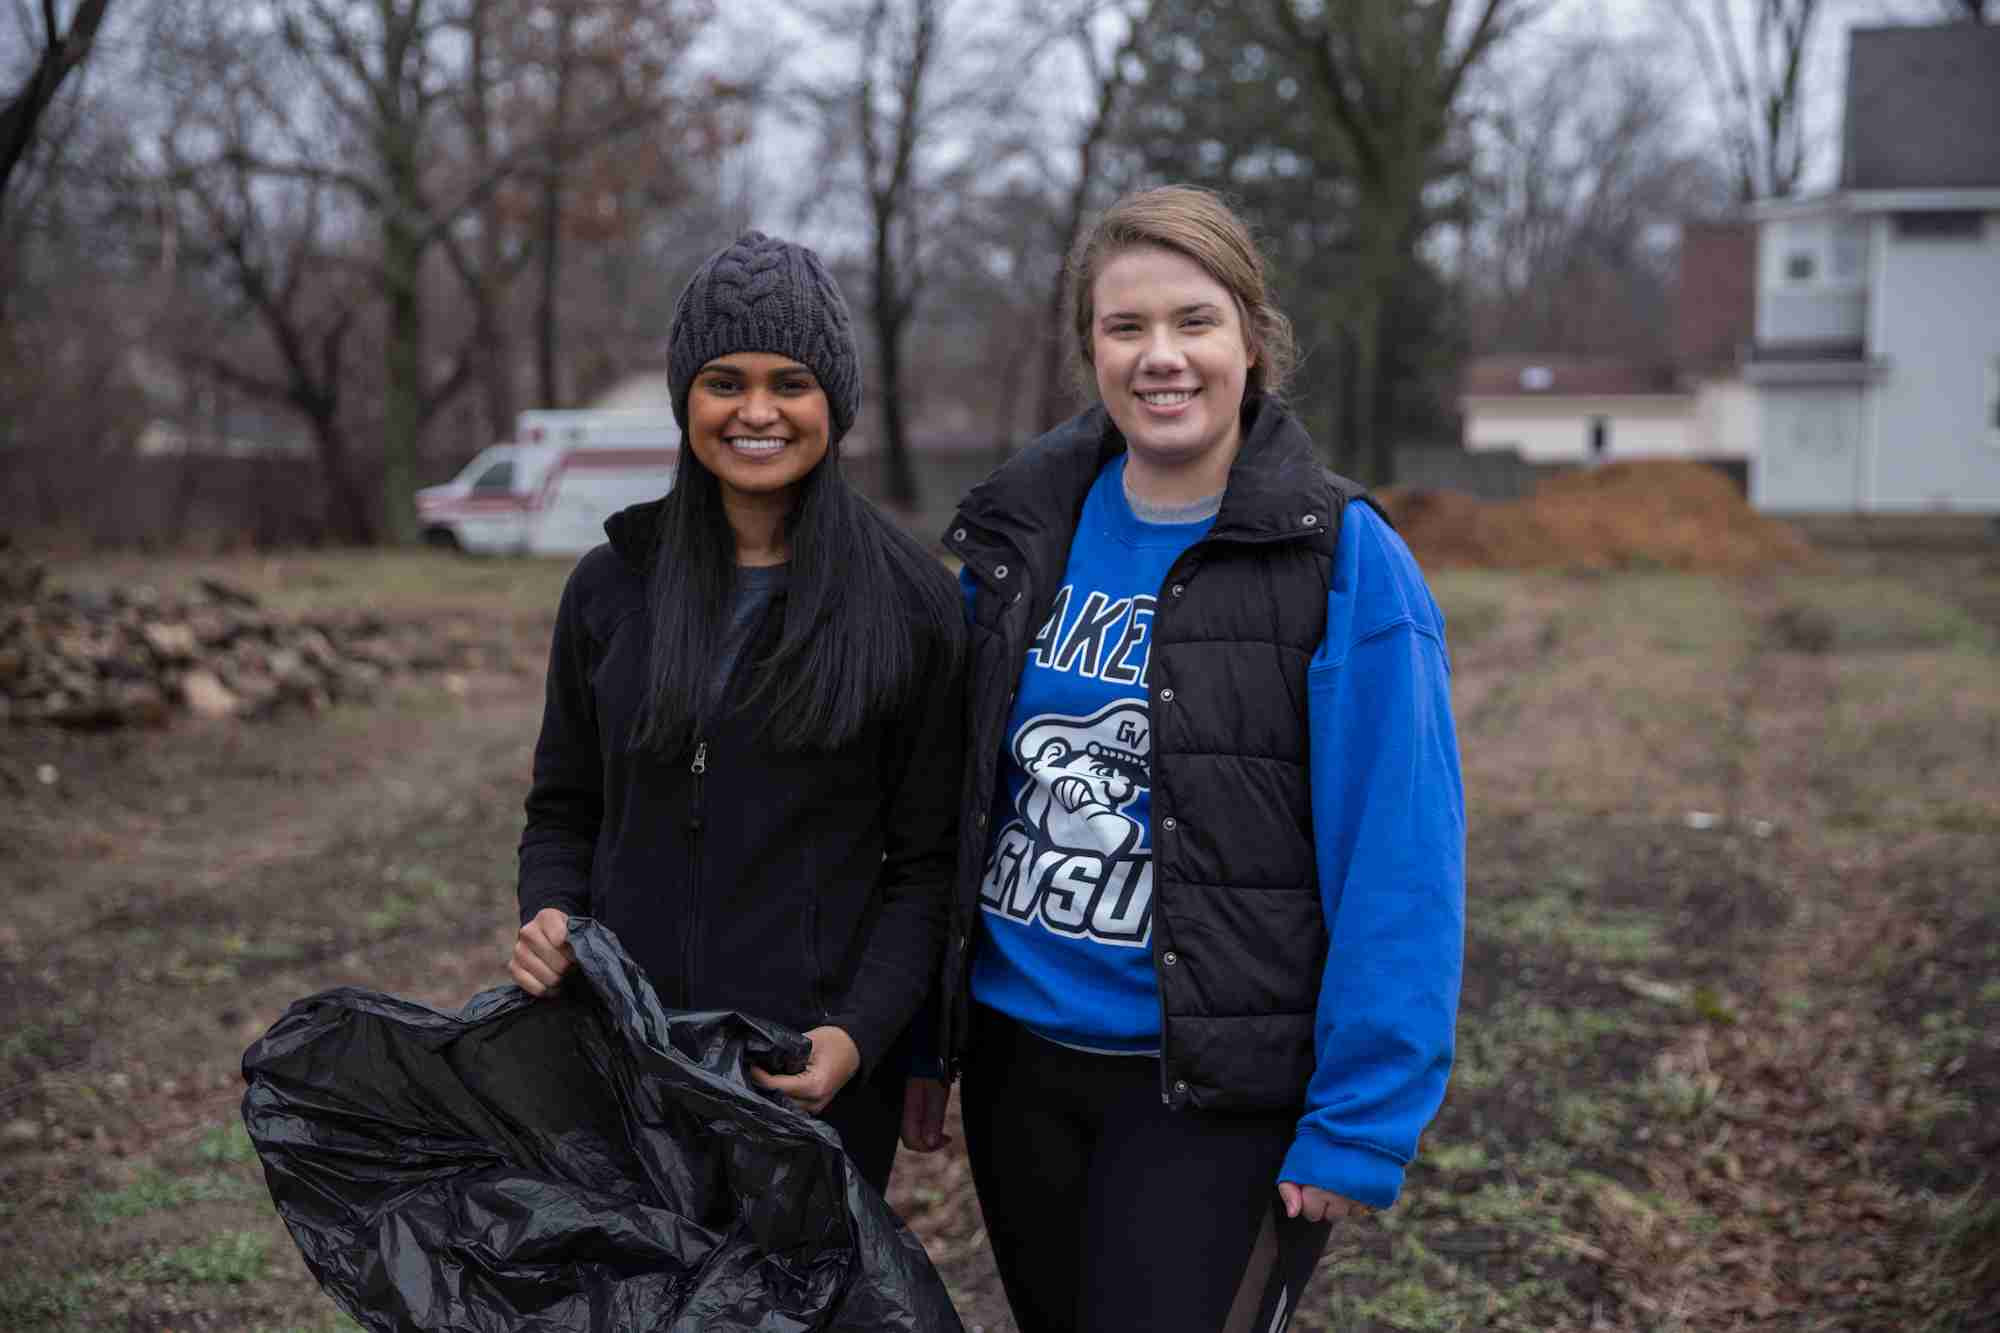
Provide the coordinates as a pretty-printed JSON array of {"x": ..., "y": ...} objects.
[{"x": 1730, "y": 1040}]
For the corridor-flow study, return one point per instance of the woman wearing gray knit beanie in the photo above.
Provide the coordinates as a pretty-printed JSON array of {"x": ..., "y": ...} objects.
[{"x": 750, "y": 749}]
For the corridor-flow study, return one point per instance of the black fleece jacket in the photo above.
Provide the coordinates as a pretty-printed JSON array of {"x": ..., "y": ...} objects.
[{"x": 808, "y": 887}]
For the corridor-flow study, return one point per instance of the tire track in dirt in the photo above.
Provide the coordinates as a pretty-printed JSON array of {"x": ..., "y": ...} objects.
[{"x": 1800, "y": 1155}]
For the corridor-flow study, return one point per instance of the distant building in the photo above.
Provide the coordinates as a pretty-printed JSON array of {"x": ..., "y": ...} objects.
[
  {"x": 1563, "y": 409},
  {"x": 1876, "y": 359}
]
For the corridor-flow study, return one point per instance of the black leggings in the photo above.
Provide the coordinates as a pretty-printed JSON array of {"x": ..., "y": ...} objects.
[{"x": 1109, "y": 1211}]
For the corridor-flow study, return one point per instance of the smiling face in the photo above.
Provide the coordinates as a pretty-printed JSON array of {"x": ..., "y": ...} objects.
[
  {"x": 1171, "y": 354},
  {"x": 758, "y": 421}
]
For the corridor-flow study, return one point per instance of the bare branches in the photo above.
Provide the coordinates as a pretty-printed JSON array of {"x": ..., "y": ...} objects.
[
  {"x": 1387, "y": 76},
  {"x": 62, "y": 51},
  {"x": 1754, "y": 80}
]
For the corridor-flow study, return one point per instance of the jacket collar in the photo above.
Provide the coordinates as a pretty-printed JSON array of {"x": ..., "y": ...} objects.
[
  {"x": 635, "y": 533},
  {"x": 1276, "y": 488}
]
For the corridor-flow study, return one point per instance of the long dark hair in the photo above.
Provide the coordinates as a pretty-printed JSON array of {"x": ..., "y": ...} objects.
[{"x": 869, "y": 615}]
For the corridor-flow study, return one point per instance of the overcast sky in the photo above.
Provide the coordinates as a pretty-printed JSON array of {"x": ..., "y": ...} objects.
[{"x": 761, "y": 40}]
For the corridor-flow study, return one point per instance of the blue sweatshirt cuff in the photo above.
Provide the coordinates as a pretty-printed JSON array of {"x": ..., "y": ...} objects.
[{"x": 1352, "y": 1170}]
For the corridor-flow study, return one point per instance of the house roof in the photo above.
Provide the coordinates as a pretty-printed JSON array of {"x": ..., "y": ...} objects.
[
  {"x": 1715, "y": 294},
  {"x": 1565, "y": 377},
  {"x": 1923, "y": 105}
]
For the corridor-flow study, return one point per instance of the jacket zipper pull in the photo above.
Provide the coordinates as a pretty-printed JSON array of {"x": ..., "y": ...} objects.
[{"x": 698, "y": 767}]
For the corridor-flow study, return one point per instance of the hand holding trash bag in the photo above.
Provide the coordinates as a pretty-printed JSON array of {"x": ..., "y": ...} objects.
[
  {"x": 542, "y": 957},
  {"x": 542, "y": 953},
  {"x": 834, "y": 1060},
  {"x": 592, "y": 1162}
]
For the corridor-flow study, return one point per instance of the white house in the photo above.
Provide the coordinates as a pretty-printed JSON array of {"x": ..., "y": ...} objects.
[
  {"x": 1575, "y": 409},
  {"x": 1570, "y": 409},
  {"x": 1876, "y": 359}
]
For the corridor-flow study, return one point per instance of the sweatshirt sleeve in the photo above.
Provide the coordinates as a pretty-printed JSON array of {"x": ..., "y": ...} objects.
[
  {"x": 1388, "y": 812},
  {"x": 565, "y": 805},
  {"x": 920, "y": 852}
]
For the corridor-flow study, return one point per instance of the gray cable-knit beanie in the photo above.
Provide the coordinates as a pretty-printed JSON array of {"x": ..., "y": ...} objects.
[{"x": 760, "y": 294}]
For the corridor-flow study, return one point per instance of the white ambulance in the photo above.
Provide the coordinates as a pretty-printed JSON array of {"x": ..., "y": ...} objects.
[{"x": 549, "y": 492}]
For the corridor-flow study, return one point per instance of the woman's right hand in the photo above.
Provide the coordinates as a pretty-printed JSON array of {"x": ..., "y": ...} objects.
[
  {"x": 542, "y": 953},
  {"x": 924, "y": 1100}
]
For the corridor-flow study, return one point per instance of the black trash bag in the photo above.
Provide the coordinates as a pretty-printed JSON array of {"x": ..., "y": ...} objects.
[{"x": 592, "y": 1163}]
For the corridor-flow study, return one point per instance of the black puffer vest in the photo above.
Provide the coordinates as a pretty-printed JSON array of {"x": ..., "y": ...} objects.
[{"x": 1239, "y": 939}]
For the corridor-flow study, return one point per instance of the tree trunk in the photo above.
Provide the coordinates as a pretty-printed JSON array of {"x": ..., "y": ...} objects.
[
  {"x": 404, "y": 382},
  {"x": 899, "y": 478},
  {"x": 22, "y": 112},
  {"x": 496, "y": 369},
  {"x": 551, "y": 221}
]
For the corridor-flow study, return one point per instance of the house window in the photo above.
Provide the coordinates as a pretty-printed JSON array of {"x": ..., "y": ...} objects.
[
  {"x": 1963, "y": 225},
  {"x": 1800, "y": 266},
  {"x": 1600, "y": 436},
  {"x": 1993, "y": 402}
]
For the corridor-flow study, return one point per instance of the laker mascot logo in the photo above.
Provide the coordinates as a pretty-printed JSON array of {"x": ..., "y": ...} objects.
[{"x": 1073, "y": 859}]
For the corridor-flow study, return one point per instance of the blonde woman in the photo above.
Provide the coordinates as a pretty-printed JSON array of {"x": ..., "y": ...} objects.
[{"x": 1204, "y": 963}]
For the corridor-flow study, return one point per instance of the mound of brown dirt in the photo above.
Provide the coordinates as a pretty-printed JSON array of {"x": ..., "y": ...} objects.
[{"x": 1643, "y": 515}]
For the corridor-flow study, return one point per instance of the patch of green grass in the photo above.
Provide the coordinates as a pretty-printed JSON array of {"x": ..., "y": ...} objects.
[
  {"x": 1456, "y": 1157},
  {"x": 156, "y": 1190},
  {"x": 29, "y": 1300},
  {"x": 1681, "y": 614},
  {"x": 1511, "y": 1205},
  {"x": 1676, "y": 1096},
  {"x": 1420, "y": 1290},
  {"x": 1947, "y": 1036},
  {"x": 1588, "y": 1120},
  {"x": 229, "y": 1258},
  {"x": 1965, "y": 1255},
  {"x": 227, "y": 1143},
  {"x": 1886, "y": 615},
  {"x": 1416, "y": 1304},
  {"x": 1563, "y": 913},
  {"x": 1540, "y": 1042}
]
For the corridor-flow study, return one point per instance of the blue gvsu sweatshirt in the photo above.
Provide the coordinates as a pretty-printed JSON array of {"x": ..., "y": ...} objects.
[{"x": 1388, "y": 823}]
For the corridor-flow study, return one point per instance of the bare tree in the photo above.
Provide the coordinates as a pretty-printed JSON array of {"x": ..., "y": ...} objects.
[
  {"x": 269, "y": 246},
  {"x": 919, "y": 127},
  {"x": 1582, "y": 160},
  {"x": 1387, "y": 77},
  {"x": 378, "y": 133},
  {"x": 62, "y": 49},
  {"x": 1108, "y": 75},
  {"x": 1752, "y": 56},
  {"x": 899, "y": 48},
  {"x": 489, "y": 267}
]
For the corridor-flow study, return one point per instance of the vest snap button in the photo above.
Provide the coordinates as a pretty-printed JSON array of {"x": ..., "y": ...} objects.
[
  {"x": 1179, "y": 588},
  {"x": 958, "y": 534},
  {"x": 1180, "y": 1085},
  {"x": 1168, "y": 824},
  {"x": 1166, "y": 696},
  {"x": 999, "y": 571},
  {"x": 1170, "y": 958},
  {"x": 1311, "y": 520},
  {"x": 982, "y": 821}
]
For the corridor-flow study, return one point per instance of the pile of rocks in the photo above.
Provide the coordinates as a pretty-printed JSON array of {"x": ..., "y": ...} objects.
[{"x": 133, "y": 657}]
